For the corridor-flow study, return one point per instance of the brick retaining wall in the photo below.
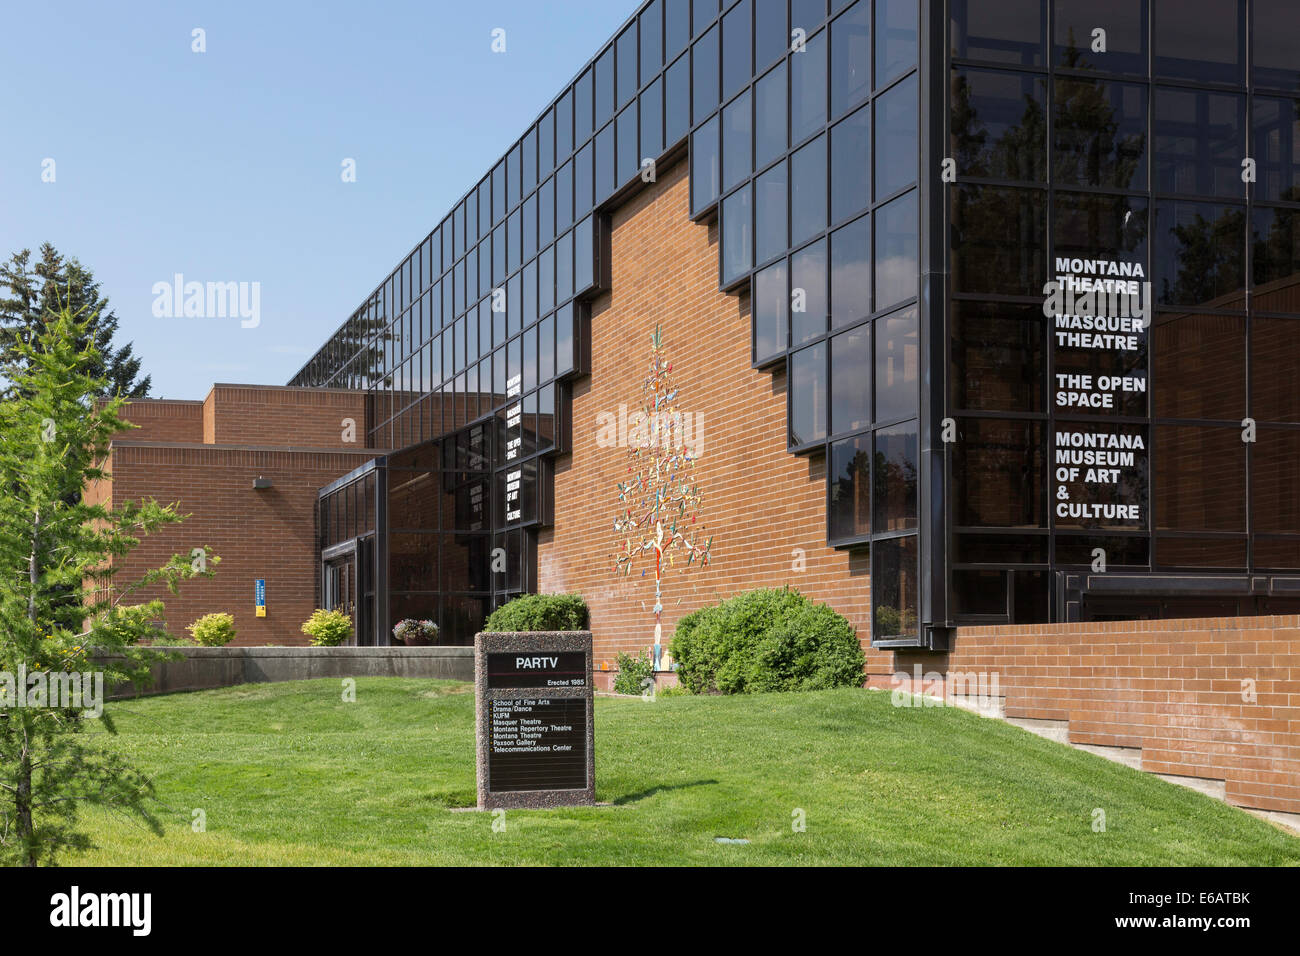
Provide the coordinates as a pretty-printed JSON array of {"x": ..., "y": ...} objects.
[{"x": 1214, "y": 697}]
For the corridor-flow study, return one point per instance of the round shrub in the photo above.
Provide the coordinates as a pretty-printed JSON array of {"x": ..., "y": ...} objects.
[
  {"x": 213, "y": 630},
  {"x": 633, "y": 672},
  {"x": 766, "y": 640},
  {"x": 327, "y": 628},
  {"x": 540, "y": 612}
]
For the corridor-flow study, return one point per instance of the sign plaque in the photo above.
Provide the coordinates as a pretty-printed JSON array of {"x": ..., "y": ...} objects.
[{"x": 533, "y": 717}]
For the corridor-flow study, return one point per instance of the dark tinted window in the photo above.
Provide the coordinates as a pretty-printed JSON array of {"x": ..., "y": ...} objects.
[
  {"x": 1274, "y": 386},
  {"x": 1201, "y": 479},
  {"x": 895, "y": 38},
  {"x": 604, "y": 87},
  {"x": 1090, "y": 226},
  {"x": 991, "y": 456},
  {"x": 808, "y": 89},
  {"x": 703, "y": 11},
  {"x": 705, "y": 169},
  {"x": 851, "y": 165},
  {"x": 1100, "y": 133},
  {"x": 851, "y": 57},
  {"x": 627, "y": 65},
  {"x": 1274, "y": 474},
  {"x": 677, "y": 101},
  {"x": 1200, "y": 363},
  {"x": 604, "y": 162},
  {"x": 1275, "y": 259},
  {"x": 1276, "y": 28},
  {"x": 564, "y": 196},
  {"x": 998, "y": 357},
  {"x": 737, "y": 161},
  {"x": 677, "y": 26},
  {"x": 737, "y": 46},
  {"x": 771, "y": 306},
  {"x": 806, "y": 14},
  {"x": 808, "y": 395},
  {"x": 894, "y": 588},
  {"x": 652, "y": 41},
  {"x": 704, "y": 76},
  {"x": 851, "y": 380},
  {"x": 737, "y": 235},
  {"x": 808, "y": 191},
  {"x": 582, "y": 125},
  {"x": 1200, "y": 251},
  {"x": 1125, "y": 38},
  {"x": 987, "y": 257},
  {"x": 652, "y": 120},
  {"x": 1199, "y": 142},
  {"x": 849, "y": 505},
  {"x": 628, "y": 157},
  {"x": 898, "y": 363},
  {"x": 770, "y": 209},
  {"x": 897, "y": 242},
  {"x": 896, "y": 158},
  {"x": 808, "y": 293},
  {"x": 1277, "y": 148},
  {"x": 1201, "y": 40},
  {"x": 998, "y": 124},
  {"x": 896, "y": 463},
  {"x": 1008, "y": 31},
  {"x": 770, "y": 117},
  {"x": 564, "y": 126},
  {"x": 851, "y": 272},
  {"x": 770, "y": 35}
]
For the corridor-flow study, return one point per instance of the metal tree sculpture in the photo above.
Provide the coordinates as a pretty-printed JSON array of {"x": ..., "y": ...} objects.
[{"x": 660, "y": 496}]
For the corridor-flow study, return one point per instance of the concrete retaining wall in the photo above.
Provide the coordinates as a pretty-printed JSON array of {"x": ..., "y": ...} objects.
[{"x": 206, "y": 667}]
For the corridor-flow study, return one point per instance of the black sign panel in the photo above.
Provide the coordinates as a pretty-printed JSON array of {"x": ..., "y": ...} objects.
[
  {"x": 537, "y": 743},
  {"x": 537, "y": 669}
]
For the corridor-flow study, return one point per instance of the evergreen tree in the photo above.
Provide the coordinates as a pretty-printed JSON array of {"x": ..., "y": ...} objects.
[
  {"x": 63, "y": 615},
  {"x": 37, "y": 291}
]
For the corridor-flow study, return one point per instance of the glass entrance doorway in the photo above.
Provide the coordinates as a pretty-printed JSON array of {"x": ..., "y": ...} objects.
[{"x": 340, "y": 588}]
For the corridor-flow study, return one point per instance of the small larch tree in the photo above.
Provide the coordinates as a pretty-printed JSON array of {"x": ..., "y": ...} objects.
[
  {"x": 63, "y": 613},
  {"x": 659, "y": 521}
]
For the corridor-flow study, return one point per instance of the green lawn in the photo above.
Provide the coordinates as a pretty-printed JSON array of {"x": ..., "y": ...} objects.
[{"x": 290, "y": 774}]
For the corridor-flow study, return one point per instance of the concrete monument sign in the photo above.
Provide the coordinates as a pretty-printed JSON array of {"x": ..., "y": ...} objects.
[{"x": 533, "y": 717}]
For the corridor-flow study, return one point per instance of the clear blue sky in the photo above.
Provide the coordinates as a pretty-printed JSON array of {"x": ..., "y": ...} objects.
[{"x": 225, "y": 165}]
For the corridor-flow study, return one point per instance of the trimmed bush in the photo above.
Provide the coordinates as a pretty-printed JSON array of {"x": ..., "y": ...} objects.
[
  {"x": 632, "y": 671},
  {"x": 213, "y": 630},
  {"x": 540, "y": 612},
  {"x": 327, "y": 628},
  {"x": 766, "y": 640}
]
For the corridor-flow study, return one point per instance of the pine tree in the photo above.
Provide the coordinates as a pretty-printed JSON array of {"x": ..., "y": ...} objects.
[
  {"x": 38, "y": 291},
  {"x": 661, "y": 497},
  {"x": 59, "y": 617}
]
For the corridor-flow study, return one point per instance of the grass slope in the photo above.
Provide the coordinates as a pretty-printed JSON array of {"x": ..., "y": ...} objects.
[{"x": 290, "y": 774}]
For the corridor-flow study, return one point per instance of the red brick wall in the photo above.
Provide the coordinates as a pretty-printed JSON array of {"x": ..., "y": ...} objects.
[
  {"x": 760, "y": 503},
  {"x": 1172, "y": 688},
  {"x": 164, "y": 420},
  {"x": 292, "y": 417},
  {"x": 269, "y": 534}
]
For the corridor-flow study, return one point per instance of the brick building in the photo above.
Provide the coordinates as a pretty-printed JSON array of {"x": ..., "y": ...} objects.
[
  {"x": 205, "y": 457},
  {"x": 852, "y": 224}
]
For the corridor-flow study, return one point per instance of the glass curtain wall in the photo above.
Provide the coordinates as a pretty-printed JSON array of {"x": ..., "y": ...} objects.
[{"x": 1100, "y": 143}]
